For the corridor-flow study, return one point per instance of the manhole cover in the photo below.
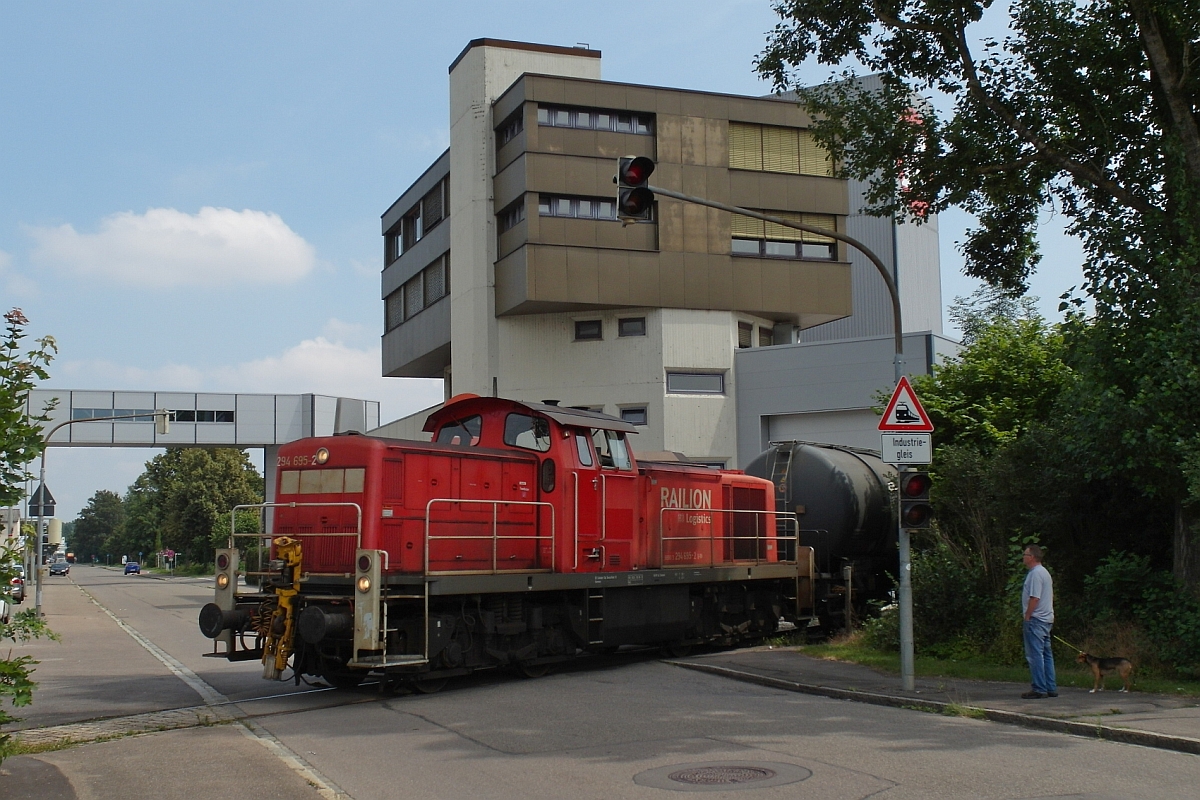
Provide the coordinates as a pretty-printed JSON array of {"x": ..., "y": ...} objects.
[
  {"x": 721, "y": 776},
  {"x": 711, "y": 776}
]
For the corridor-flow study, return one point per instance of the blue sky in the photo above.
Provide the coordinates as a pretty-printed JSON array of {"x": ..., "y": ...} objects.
[{"x": 191, "y": 192}]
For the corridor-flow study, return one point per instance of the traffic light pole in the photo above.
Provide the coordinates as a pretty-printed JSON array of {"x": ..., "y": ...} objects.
[{"x": 907, "y": 671}]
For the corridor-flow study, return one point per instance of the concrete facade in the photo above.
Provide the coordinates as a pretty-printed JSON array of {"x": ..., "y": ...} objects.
[
  {"x": 496, "y": 279},
  {"x": 825, "y": 391}
]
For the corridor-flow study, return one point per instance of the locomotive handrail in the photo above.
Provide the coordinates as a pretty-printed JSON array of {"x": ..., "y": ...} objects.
[
  {"x": 494, "y": 538},
  {"x": 712, "y": 539},
  {"x": 233, "y": 534}
]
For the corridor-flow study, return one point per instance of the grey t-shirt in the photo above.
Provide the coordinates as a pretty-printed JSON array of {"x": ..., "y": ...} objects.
[{"x": 1038, "y": 584}]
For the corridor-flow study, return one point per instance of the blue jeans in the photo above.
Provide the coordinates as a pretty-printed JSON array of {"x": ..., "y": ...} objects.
[{"x": 1040, "y": 656}]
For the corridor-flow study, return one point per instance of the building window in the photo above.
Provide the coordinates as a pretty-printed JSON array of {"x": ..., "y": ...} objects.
[
  {"x": 418, "y": 293},
  {"x": 769, "y": 148},
  {"x": 745, "y": 334},
  {"x": 512, "y": 215},
  {"x": 588, "y": 329},
  {"x": 510, "y": 129},
  {"x": 766, "y": 337},
  {"x": 631, "y": 326},
  {"x": 604, "y": 208},
  {"x": 393, "y": 309},
  {"x": 695, "y": 383},
  {"x": 634, "y": 415},
  {"x": 755, "y": 237},
  {"x": 418, "y": 221},
  {"x": 593, "y": 119},
  {"x": 147, "y": 415}
]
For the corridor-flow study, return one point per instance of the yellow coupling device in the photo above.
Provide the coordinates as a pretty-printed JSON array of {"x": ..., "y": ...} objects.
[{"x": 278, "y": 647}]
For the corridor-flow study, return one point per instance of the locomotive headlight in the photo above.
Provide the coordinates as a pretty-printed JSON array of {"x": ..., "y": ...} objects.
[
  {"x": 364, "y": 584},
  {"x": 222, "y": 581},
  {"x": 322, "y": 456}
]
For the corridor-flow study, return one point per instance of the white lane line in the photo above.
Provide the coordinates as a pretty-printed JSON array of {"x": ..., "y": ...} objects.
[{"x": 325, "y": 787}]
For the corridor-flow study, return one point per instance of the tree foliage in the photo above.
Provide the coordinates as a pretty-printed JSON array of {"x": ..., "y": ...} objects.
[
  {"x": 101, "y": 519},
  {"x": 20, "y": 432},
  {"x": 183, "y": 499},
  {"x": 1087, "y": 106}
]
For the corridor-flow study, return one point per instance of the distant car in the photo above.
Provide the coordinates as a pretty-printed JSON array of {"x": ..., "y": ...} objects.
[
  {"x": 133, "y": 567},
  {"x": 60, "y": 568}
]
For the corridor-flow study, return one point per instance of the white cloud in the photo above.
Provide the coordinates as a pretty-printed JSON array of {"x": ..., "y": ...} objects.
[
  {"x": 167, "y": 248},
  {"x": 14, "y": 283},
  {"x": 325, "y": 364}
]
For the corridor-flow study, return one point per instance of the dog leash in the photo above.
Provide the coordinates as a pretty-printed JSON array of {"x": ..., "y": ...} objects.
[{"x": 1068, "y": 644}]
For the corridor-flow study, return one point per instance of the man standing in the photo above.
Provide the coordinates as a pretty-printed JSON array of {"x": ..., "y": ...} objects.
[{"x": 1037, "y": 603}]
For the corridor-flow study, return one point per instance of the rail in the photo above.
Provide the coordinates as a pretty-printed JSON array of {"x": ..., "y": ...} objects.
[
  {"x": 266, "y": 537},
  {"x": 495, "y": 536},
  {"x": 712, "y": 538}
]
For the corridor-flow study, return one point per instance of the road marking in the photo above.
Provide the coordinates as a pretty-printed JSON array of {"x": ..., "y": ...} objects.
[{"x": 211, "y": 697}]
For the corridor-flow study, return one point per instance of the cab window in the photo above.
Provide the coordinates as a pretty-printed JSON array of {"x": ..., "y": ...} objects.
[
  {"x": 463, "y": 432},
  {"x": 526, "y": 432},
  {"x": 584, "y": 448},
  {"x": 611, "y": 448}
]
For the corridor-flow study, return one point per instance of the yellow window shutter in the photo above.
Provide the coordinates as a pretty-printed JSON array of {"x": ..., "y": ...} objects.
[
  {"x": 747, "y": 227},
  {"x": 781, "y": 150},
  {"x": 745, "y": 146},
  {"x": 780, "y": 233},
  {"x": 814, "y": 160}
]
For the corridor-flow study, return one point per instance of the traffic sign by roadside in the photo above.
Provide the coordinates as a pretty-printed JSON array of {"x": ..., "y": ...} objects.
[
  {"x": 905, "y": 448},
  {"x": 905, "y": 413}
]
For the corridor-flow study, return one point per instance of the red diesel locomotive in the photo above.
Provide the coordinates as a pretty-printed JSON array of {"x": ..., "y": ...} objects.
[{"x": 523, "y": 534}]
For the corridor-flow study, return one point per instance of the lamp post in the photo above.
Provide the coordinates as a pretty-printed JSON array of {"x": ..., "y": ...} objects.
[{"x": 162, "y": 421}]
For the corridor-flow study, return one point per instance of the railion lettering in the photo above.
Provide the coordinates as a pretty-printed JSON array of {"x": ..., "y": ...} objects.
[{"x": 686, "y": 498}]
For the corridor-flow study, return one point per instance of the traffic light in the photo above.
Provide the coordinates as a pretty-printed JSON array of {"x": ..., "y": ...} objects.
[
  {"x": 915, "y": 511},
  {"x": 634, "y": 200}
]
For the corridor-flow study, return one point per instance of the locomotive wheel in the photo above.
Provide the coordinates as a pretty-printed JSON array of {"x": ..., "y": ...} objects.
[
  {"x": 533, "y": 670},
  {"x": 430, "y": 685},
  {"x": 342, "y": 680},
  {"x": 676, "y": 649}
]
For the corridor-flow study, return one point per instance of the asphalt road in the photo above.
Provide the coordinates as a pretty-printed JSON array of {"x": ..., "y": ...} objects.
[{"x": 622, "y": 727}]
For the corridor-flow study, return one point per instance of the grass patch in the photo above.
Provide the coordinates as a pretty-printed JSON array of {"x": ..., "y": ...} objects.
[
  {"x": 957, "y": 710},
  {"x": 1069, "y": 673}
]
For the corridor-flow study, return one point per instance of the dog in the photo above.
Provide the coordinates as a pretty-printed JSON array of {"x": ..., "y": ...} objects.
[{"x": 1107, "y": 666}]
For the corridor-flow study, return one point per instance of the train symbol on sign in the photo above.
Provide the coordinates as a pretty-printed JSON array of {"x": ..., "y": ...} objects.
[{"x": 904, "y": 413}]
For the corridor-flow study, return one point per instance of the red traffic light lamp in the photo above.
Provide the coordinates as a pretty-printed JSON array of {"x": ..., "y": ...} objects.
[
  {"x": 915, "y": 510},
  {"x": 635, "y": 201}
]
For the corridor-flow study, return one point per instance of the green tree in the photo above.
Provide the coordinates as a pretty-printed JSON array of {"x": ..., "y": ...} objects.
[
  {"x": 103, "y": 516},
  {"x": 20, "y": 430},
  {"x": 1089, "y": 106},
  {"x": 20, "y": 443},
  {"x": 183, "y": 499}
]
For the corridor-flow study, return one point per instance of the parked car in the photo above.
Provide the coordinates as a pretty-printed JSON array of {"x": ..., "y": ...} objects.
[
  {"x": 133, "y": 567},
  {"x": 16, "y": 588},
  {"x": 60, "y": 568}
]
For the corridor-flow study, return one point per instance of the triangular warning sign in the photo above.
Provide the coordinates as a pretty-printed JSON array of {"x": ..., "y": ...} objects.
[{"x": 904, "y": 411}]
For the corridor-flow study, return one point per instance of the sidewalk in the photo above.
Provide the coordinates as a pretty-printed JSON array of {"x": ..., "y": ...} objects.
[{"x": 1151, "y": 720}]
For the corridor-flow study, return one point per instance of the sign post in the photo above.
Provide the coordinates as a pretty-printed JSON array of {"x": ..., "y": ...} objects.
[{"x": 905, "y": 431}]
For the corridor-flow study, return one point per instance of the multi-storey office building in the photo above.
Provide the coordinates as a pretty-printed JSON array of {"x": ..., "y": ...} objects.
[{"x": 508, "y": 273}]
